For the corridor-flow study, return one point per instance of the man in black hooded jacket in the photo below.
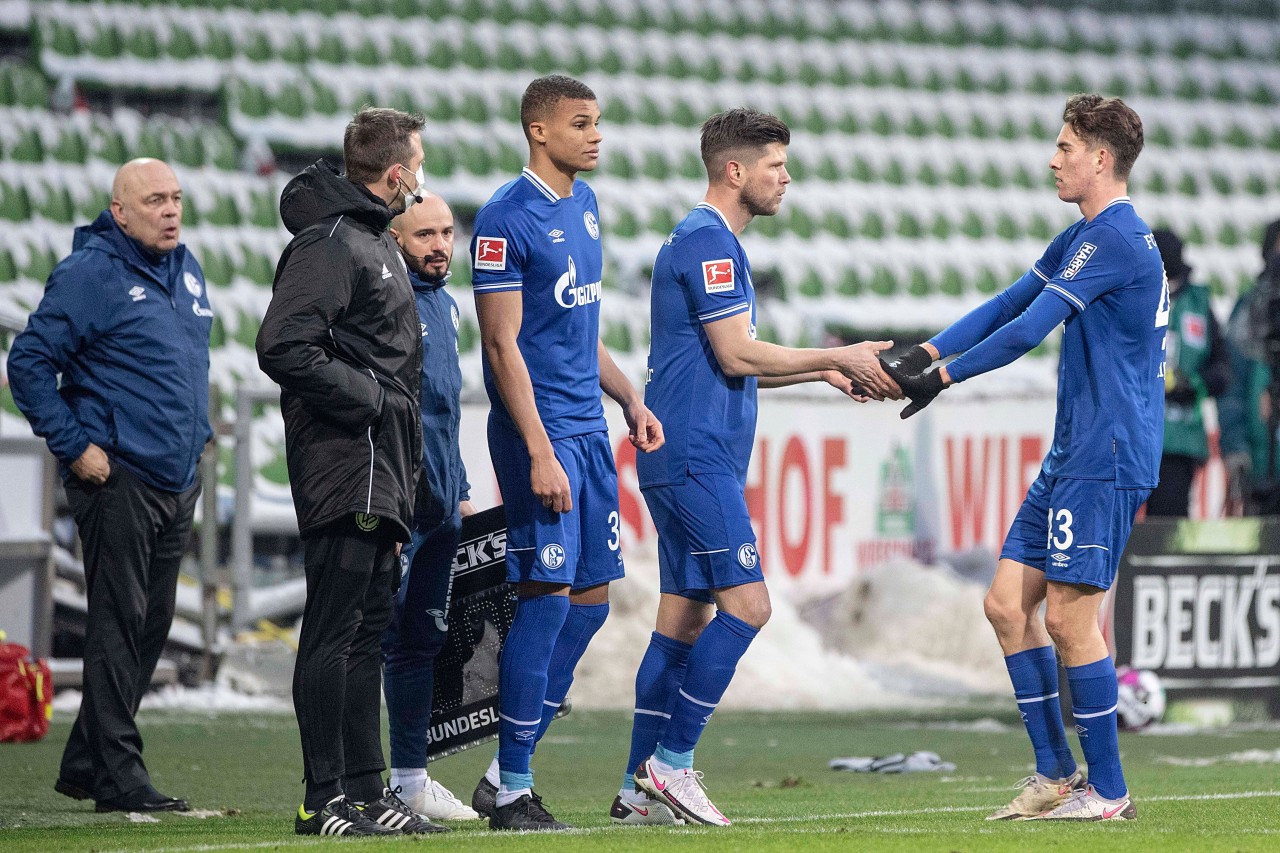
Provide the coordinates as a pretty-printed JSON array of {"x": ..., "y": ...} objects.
[{"x": 340, "y": 337}]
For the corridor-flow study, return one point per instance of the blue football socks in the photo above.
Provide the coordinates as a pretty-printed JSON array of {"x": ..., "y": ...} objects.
[
  {"x": 712, "y": 662},
  {"x": 1034, "y": 674},
  {"x": 522, "y": 682},
  {"x": 661, "y": 672},
  {"x": 579, "y": 627},
  {"x": 1094, "y": 694}
]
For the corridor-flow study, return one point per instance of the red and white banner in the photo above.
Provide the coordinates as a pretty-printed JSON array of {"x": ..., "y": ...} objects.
[{"x": 836, "y": 487}]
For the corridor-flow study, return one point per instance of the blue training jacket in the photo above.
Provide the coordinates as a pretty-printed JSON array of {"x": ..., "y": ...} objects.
[
  {"x": 129, "y": 333},
  {"x": 444, "y": 478}
]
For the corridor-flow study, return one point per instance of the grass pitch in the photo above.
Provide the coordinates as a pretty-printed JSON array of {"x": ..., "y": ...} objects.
[{"x": 767, "y": 772}]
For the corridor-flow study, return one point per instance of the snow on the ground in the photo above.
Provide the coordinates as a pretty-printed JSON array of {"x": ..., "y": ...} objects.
[
  {"x": 210, "y": 698},
  {"x": 1248, "y": 756}
]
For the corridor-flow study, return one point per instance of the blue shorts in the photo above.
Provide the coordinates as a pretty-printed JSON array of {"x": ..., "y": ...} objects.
[
  {"x": 1073, "y": 530},
  {"x": 705, "y": 538},
  {"x": 580, "y": 547}
]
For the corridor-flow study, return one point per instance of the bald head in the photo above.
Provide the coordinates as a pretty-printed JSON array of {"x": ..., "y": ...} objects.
[
  {"x": 146, "y": 202},
  {"x": 425, "y": 235}
]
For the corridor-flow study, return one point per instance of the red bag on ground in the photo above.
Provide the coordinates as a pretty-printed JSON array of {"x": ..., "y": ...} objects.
[{"x": 26, "y": 695}]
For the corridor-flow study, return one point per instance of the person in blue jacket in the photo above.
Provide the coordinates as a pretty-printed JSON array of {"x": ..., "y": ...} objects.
[
  {"x": 125, "y": 320},
  {"x": 419, "y": 621}
]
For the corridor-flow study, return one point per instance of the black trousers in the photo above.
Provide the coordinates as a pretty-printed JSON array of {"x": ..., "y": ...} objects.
[
  {"x": 133, "y": 537},
  {"x": 1172, "y": 498},
  {"x": 337, "y": 679}
]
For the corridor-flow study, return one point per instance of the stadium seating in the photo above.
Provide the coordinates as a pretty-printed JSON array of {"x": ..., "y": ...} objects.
[{"x": 921, "y": 134}]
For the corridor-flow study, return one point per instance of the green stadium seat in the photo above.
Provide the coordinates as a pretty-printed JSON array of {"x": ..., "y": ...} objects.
[
  {"x": 8, "y": 267},
  {"x": 851, "y": 283},
  {"x": 40, "y": 263},
  {"x": 250, "y": 100},
  {"x": 181, "y": 44},
  {"x": 142, "y": 43},
  {"x": 367, "y": 54},
  {"x": 105, "y": 43},
  {"x": 28, "y": 147},
  {"x": 218, "y": 44},
  {"x": 71, "y": 146},
  {"x": 223, "y": 211},
  {"x": 296, "y": 50},
  {"x": 56, "y": 205},
  {"x": 59, "y": 37},
  {"x": 256, "y": 47},
  {"x": 290, "y": 101},
  {"x": 257, "y": 268}
]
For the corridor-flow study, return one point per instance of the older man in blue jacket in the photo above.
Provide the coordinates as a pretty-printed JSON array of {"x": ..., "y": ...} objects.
[{"x": 125, "y": 320}]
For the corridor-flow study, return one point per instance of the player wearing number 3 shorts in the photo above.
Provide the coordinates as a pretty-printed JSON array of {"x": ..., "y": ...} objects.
[
  {"x": 537, "y": 283},
  {"x": 1103, "y": 278}
]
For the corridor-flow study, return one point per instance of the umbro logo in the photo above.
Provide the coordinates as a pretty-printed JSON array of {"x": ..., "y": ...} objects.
[
  {"x": 1060, "y": 557},
  {"x": 138, "y": 292},
  {"x": 556, "y": 235},
  {"x": 1081, "y": 730},
  {"x": 386, "y": 273}
]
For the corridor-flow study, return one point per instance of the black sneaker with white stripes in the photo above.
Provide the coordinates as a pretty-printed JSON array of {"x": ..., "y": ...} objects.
[
  {"x": 338, "y": 817},
  {"x": 391, "y": 811}
]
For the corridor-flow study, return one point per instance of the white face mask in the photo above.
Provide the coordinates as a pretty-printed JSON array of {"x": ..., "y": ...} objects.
[{"x": 412, "y": 197}]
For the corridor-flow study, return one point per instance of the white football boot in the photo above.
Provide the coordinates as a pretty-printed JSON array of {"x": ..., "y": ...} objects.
[
  {"x": 1086, "y": 805},
  {"x": 681, "y": 790},
  {"x": 1038, "y": 795},
  {"x": 640, "y": 810}
]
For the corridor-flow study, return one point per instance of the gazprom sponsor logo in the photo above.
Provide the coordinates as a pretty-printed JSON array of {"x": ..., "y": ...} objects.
[
  {"x": 1083, "y": 254},
  {"x": 570, "y": 294}
]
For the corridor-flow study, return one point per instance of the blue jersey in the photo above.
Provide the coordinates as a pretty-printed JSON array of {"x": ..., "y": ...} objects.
[
  {"x": 529, "y": 239},
  {"x": 709, "y": 419},
  {"x": 1110, "y": 420}
]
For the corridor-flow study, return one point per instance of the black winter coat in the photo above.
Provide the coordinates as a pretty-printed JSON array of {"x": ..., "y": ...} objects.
[{"x": 341, "y": 339}]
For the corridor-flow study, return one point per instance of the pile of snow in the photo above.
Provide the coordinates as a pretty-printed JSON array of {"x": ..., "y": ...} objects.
[
  {"x": 207, "y": 698},
  {"x": 904, "y": 635}
]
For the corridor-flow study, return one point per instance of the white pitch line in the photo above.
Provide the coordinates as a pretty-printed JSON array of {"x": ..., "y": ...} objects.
[{"x": 473, "y": 839}]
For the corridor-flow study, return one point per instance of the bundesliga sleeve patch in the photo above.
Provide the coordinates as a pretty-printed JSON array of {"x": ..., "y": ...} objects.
[
  {"x": 491, "y": 253},
  {"x": 717, "y": 276},
  {"x": 1083, "y": 254}
]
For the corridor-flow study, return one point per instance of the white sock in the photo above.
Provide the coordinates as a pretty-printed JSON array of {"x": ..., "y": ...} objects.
[
  {"x": 492, "y": 773},
  {"x": 633, "y": 796},
  {"x": 507, "y": 796},
  {"x": 661, "y": 766},
  {"x": 411, "y": 780}
]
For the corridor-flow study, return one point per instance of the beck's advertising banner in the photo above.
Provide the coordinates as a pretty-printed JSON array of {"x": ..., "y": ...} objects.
[{"x": 1199, "y": 603}]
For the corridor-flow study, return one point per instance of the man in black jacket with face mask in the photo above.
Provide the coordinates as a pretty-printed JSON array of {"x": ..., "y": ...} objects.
[{"x": 340, "y": 337}]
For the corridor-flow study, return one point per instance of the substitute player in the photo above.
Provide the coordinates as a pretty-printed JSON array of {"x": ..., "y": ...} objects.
[
  {"x": 1103, "y": 277},
  {"x": 537, "y": 261},
  {"x": 703, "y": 367}
]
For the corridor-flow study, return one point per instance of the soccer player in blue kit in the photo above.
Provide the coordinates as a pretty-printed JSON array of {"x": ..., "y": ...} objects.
[
  {"x": 704, "y": 362},
  {"x": 1104, "y": 278},
  {"x": 537, "y": 281}
]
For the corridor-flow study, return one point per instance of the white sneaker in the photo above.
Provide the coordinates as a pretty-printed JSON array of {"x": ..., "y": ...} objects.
[
  {"x": 641, "y": 810},
  {"x": 1038, "y": 795},
  {"x": 1087, "y": 805},
  {"x": 438, "y": 803},
  {"x": 681, "y": 790}
]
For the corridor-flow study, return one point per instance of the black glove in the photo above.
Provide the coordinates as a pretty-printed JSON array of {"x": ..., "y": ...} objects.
[
  {"x": 920, "y": 388},
  {"x": 913, "y": 361}
]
